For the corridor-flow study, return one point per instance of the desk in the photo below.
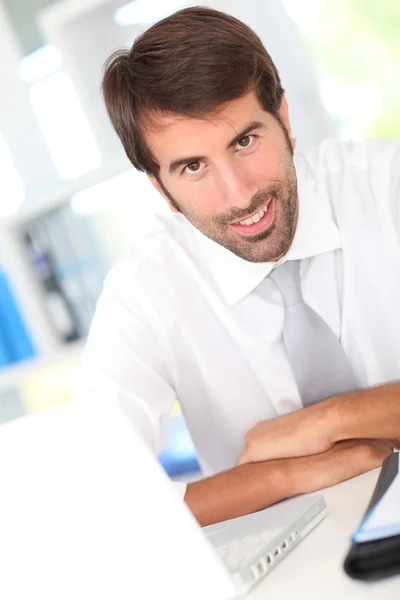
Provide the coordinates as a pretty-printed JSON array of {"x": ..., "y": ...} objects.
[{"x": 314, "y": 570}]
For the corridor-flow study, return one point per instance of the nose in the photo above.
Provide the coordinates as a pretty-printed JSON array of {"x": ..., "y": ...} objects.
[{"x": 236, "y": 186}]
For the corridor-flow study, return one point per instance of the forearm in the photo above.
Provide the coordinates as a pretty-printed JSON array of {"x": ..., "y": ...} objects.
[
  {"x": 254, "y": 486},
  {"x": 368, "y": 413},
  {"x": 239, "y": 491}
]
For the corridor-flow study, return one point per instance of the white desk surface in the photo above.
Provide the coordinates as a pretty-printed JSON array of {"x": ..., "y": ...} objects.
[{"x": 314, "y": 570}]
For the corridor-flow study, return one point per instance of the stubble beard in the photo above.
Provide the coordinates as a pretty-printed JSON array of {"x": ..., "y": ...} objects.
[
  {"x": 269, "y": 245},
  {"x": 274, "y": 242}
]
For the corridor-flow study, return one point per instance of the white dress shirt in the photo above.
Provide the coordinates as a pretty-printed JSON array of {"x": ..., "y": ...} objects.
[{"x": 181, "y": 317}]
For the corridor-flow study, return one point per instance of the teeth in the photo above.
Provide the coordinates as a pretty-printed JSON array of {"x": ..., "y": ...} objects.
[{"x": 255, "y": 218}]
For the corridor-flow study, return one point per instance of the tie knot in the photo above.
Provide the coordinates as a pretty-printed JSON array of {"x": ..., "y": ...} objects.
[{"x": 287, "y": 280}]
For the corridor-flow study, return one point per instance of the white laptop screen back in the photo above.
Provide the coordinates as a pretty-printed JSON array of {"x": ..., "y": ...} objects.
[{"x": 87, "y": 512}]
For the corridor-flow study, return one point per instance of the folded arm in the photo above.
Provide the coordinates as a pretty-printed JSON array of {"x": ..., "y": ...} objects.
[
  {"x": 252, "y": 487},
  {"x": 367, "y": 413}
]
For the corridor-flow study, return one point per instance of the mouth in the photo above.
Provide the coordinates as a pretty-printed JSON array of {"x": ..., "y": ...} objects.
[{"x": 257, "y": 222}]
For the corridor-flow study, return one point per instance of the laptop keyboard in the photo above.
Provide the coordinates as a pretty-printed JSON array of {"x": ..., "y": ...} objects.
[{"x": 236, "y": 553}]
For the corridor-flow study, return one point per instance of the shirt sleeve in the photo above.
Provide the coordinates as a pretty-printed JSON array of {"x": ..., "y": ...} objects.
[{"x": 125, "y": 362}]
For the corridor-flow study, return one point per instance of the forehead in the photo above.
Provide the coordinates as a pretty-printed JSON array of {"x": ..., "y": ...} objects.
[{"x": 173, "y": 135}]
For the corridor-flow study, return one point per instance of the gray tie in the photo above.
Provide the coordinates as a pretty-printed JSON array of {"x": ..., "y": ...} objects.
[{"x": 318, "y": 361}]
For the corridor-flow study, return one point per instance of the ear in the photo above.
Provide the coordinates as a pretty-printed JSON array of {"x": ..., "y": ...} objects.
[
  {"x": 284, "y": 115},
  {"x": 154, "y": 181}
]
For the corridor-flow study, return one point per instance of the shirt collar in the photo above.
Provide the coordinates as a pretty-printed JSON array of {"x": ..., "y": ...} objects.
[{"x": 315, "y": 234}]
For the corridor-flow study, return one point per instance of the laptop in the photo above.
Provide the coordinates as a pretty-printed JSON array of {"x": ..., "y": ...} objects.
[
  {"x": 252, "y": 545},
  {"x": 86, "y": 511}
]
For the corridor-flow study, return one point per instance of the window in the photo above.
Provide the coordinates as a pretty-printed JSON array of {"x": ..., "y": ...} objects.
[{"x": 60, "y": 115}]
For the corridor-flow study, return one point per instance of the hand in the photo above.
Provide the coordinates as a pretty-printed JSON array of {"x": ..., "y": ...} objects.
[
  {"x": 300, "y": 433},
  {"x": 345, "y": 460}
]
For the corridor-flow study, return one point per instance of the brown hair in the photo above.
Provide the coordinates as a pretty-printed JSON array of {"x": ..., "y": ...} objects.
[{"x": 190, "y": 63}]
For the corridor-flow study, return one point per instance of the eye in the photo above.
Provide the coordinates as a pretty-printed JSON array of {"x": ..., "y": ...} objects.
[
  {"x": 194, "y": 168},
  {"x": 245, "y": 141}
]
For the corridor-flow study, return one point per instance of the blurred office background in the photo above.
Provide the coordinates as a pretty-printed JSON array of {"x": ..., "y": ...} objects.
[{"x": 69, "y": 201}]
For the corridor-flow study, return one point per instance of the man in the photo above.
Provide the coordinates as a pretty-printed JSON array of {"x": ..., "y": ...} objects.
[{"x": 268, "y": 303}]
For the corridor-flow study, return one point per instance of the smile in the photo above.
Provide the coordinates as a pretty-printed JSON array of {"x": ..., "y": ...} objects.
[
  {"x": 255, "y": 218},
  {"x": 259, "y": 221}
]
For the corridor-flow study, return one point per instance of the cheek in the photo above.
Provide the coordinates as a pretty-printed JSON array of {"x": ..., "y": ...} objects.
[
  {"x": 199, "y": 199},
  {"x": 207, "y": 202},
  {"x": 269, "y": 165}
]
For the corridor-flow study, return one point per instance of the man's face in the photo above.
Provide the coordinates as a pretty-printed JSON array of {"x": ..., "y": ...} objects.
[{"x": 232, "y": 176}]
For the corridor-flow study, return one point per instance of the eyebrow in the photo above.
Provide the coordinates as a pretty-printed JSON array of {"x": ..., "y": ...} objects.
[{"x": 173, "y": 166}]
